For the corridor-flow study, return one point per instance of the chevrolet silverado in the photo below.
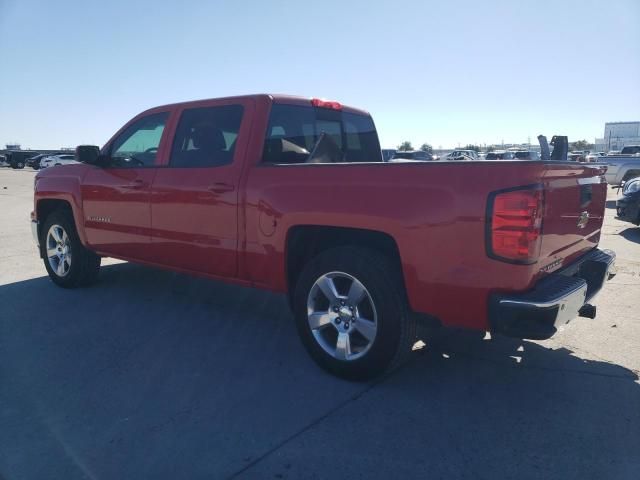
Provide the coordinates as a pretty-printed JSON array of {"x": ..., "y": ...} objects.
[{"x": 291, "y": 194}]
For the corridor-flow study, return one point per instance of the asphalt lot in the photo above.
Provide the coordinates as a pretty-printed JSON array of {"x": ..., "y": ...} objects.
[{"x": 151, "y": 374}]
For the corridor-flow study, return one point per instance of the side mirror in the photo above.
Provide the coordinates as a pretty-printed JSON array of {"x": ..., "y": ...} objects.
[{"x": 88, "y": 154}]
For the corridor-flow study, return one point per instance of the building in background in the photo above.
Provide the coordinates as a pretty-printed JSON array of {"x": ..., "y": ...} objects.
[{"x": 618, "y": 135}]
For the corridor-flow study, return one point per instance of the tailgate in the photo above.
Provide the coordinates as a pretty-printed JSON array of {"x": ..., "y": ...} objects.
[{"x": 575, "y": 197}]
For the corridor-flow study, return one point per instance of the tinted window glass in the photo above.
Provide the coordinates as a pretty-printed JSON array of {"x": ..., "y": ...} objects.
[
  {"x": 293, "y": 132},
  {"x": 206, "y": 137},
  {"x": 138, "y": 145},
  {"x": 492, "y": 156},
  {"x": 405, "y": 155}
]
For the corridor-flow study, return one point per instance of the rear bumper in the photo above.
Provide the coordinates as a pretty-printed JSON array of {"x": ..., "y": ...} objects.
[{"x": 554, "y": 301}]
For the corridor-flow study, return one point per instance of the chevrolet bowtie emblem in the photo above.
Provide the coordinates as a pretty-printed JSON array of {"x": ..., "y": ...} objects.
[{"x": 583, "y": 219}]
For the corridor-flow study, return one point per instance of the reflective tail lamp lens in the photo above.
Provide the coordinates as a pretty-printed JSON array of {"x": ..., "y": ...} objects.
[{"x": 515, "y": 225}]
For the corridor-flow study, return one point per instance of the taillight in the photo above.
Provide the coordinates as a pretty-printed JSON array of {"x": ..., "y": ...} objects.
[
  {"x": 514, "y": 224},
  {"x": 318, "y": 102}
]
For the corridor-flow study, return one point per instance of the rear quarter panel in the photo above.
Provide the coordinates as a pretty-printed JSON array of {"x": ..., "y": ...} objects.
[{"x": 434, "y": 211}]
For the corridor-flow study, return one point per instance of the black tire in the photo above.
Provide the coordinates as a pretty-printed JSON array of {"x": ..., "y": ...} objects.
[
  {"x": 84, "y": 266},
  {"x": 631, "y": 174},
  {"x": 396, "y": 328}
]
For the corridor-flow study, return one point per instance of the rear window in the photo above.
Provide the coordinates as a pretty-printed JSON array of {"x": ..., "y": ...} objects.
[
  {"x": 492, "y": 156},
  {"x": 295, "y": 131}
]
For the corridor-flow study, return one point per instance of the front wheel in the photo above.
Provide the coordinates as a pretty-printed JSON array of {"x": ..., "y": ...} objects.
[
  {"x": 351, "y": 313},
  {"x": 68, "y": 263}
]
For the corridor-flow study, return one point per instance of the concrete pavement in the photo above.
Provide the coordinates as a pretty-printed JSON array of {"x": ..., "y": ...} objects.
[{"x": 151, "y": 374}]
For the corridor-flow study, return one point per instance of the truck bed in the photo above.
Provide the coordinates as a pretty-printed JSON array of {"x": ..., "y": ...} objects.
[{"x": 436, "y": 212}]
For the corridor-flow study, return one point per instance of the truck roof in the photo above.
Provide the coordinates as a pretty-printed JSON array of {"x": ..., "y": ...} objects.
[{"x": 274, "y": 97}]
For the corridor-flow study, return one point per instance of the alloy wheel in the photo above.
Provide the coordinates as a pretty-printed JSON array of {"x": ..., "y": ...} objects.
[
  {"x": 58, "y": 250},
  {"x": 342, "y": 316}
]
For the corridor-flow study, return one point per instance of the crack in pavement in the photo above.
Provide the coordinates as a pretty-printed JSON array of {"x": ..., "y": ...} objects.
[
  {"x": 374, "y": 384},
  {"x": 311, "y": 424}
]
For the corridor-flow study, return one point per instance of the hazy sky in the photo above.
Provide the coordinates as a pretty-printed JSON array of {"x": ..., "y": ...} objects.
[{"x": 443, "y": 72}]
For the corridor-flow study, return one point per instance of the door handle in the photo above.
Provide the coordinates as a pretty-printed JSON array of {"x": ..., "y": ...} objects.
[{"x": 221, "y": 187}]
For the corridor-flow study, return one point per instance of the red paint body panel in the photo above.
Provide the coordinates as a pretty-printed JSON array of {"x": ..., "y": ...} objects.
[{"x": 434, "y": 211}]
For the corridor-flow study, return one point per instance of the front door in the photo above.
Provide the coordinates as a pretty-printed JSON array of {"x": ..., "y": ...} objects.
[
  {"x": 117, "y": 195},
  {"x": 194, "y": 204}
]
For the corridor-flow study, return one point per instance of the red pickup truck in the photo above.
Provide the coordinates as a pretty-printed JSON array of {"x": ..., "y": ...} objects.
[{"x": 291, "y": 194}]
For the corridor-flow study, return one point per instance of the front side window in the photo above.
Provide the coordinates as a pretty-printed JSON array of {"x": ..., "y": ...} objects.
[
  {"x": 138, "y": 145},
  {"x": 299, "y": 134},
  {"x": 206, "y": 137}
]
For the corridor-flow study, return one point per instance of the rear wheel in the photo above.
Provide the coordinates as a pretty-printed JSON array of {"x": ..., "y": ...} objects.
[
  {"x": 68, "y": 263},
  {"x": 351, "y": 313}
]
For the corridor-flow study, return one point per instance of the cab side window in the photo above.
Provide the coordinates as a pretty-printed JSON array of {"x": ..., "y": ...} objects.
[
  {"x": 206, "y": 137},
  {"x": 138, "y": 145}
]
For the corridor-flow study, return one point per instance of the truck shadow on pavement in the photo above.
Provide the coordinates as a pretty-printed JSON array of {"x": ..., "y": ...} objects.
[{"x": 152, "y": 374}]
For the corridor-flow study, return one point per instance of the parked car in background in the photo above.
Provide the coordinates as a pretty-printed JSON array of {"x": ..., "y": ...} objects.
[
  {"x": 34, "y": 162},
  {"x": 628, "y": 206},
  {"x": 417, "y": 155},
  {"x": 268, "y": 191},
  {"x": 613, "y": 152},
  {"x": 55, "y": 160},
  {"x": 526, "y": 155},
  {"x": 499, "y": 155},
  {"x": 624, "y": 166},
  {"x": 595, "y": 157},
  {"x": 387, "y": 154},
  {"x": 577, "y": 156},
  {"x": 18, "y": 158},
  {"x": 462, "y": 155}
]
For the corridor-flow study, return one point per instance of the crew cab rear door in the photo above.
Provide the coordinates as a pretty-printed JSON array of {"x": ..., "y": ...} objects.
[
  {"x": 116, "y": 195},
  {"x": 194, "y": 201}
]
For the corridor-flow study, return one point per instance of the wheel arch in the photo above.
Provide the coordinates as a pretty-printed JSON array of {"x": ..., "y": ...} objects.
[
  {"x": 303, "y": 242},
  {"x": 46, "y": 206}
]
